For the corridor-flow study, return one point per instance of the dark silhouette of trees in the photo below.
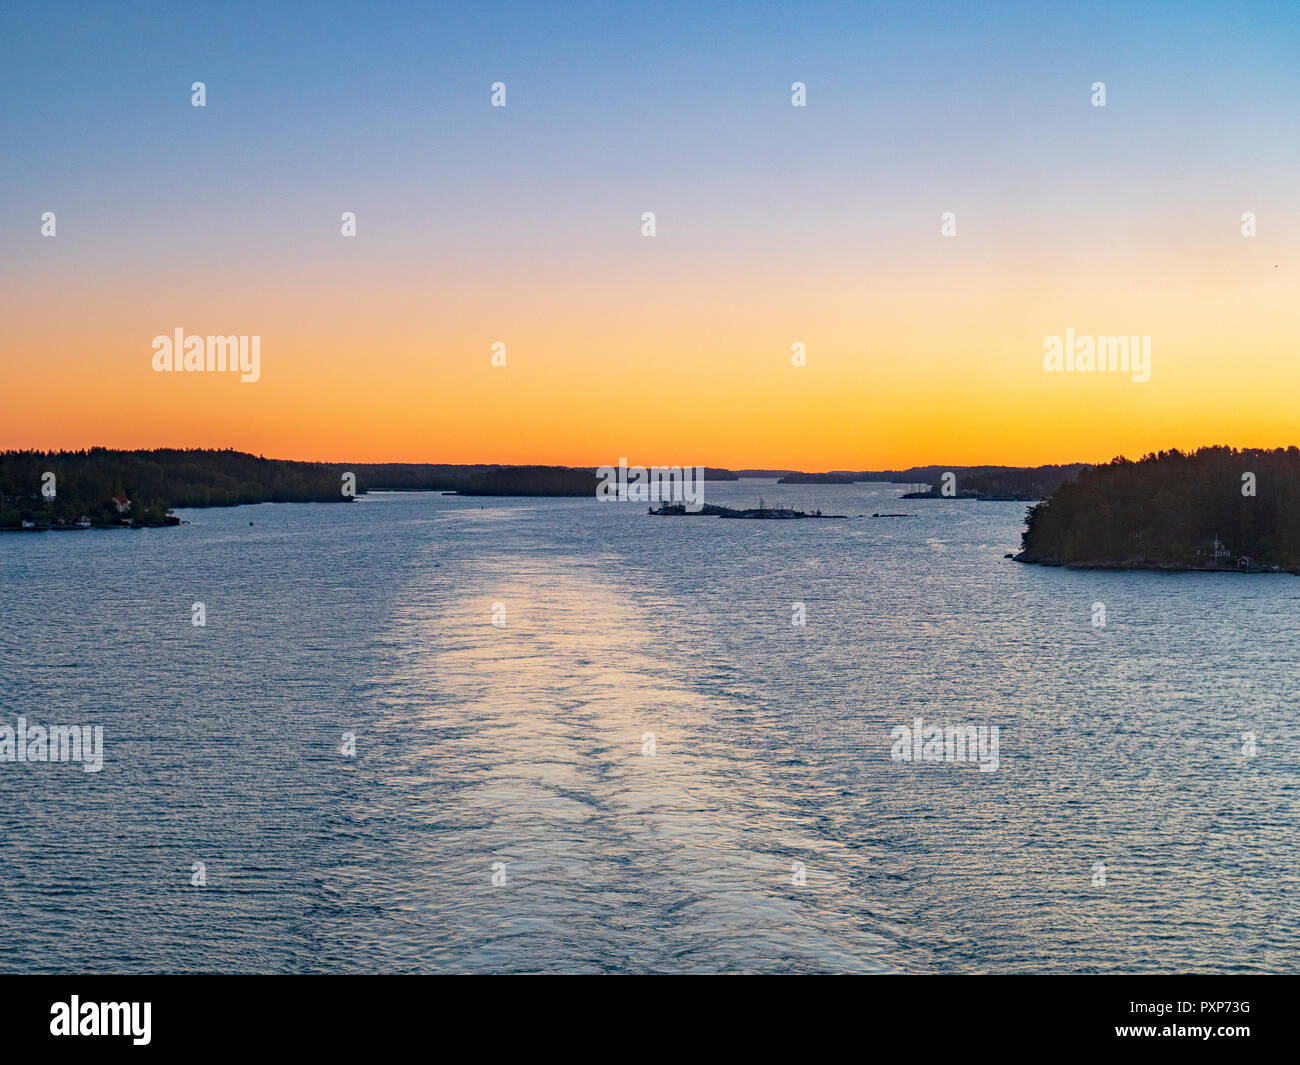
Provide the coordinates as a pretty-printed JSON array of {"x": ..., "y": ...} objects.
[
  {"x": 157, "y": 480},
  {"x": 154, "y": 481},
  {"x": 1170, "y": 509},
  {"x": 477, "y": 480},
  {"x": 973, "y": 482}
]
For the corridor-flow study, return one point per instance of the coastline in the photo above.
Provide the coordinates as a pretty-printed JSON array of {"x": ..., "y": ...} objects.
[
  {"x": 1136, "y": 566},
  {"x": 73, "y": 527}
]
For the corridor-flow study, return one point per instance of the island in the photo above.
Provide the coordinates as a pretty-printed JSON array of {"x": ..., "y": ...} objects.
[
  {"x": 1215, "y": 509},
  {"x": 1020, "y": 484},
  {"x": 818, "y": 478},
  {"x": 1015, "y": 483},
  {"x": 110, "y": 488},
  {"x": 762, "y": 511}
]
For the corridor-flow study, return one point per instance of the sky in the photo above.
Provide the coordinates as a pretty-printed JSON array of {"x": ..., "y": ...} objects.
[{"x": 775, "y": 225}]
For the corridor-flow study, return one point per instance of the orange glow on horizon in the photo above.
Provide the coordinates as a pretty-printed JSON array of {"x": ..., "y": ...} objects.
[{"x": 936, "y": 363}]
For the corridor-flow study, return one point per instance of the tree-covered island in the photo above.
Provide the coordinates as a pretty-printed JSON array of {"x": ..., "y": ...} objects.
[
  {"x": 110, "y": 488},
  {"x": 1218, "y": 508}
]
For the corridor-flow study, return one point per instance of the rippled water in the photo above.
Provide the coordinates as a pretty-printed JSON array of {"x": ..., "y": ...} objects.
[{"x": 520, "y": 748}]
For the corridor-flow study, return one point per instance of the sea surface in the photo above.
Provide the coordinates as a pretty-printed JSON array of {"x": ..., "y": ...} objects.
[{"x": 645, "y": 765}]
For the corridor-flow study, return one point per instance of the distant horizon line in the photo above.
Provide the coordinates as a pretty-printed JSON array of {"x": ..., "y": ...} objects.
[{"x": 595, "y": 466}]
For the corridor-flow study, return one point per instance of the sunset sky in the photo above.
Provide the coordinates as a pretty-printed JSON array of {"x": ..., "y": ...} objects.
[{"x": 775, "y": 225}]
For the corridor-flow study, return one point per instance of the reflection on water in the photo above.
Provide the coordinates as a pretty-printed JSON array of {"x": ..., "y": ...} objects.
[
  {"x": 647, "y": 767},
  {"x": 564, "y": 747}
]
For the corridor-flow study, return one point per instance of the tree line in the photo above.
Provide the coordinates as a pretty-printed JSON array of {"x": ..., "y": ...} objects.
[
  {"x": 1175, "y": 508},
  {"x": 85, "y": 483}
]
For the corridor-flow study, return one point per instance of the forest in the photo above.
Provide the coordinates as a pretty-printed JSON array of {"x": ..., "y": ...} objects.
[
  {"x": 1024, "y": 483},
  {"x": 1215, "y": 508},
  {"x": 86, "y": 482},
  {"x": 476, "y": 480}
]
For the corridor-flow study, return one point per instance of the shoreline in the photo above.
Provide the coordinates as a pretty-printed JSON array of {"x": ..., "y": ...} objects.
[
  {"x": 91, "y": 527},
  {"x": 1156, "y": 567}
]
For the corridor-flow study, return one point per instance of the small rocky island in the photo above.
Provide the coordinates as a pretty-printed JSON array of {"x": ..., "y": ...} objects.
[
  {"x": 762, "y": 511},
  {"x": 1216, "y": 509}
]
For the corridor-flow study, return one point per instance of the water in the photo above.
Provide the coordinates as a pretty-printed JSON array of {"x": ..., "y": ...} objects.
[{"x": 520, "y": 748}]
